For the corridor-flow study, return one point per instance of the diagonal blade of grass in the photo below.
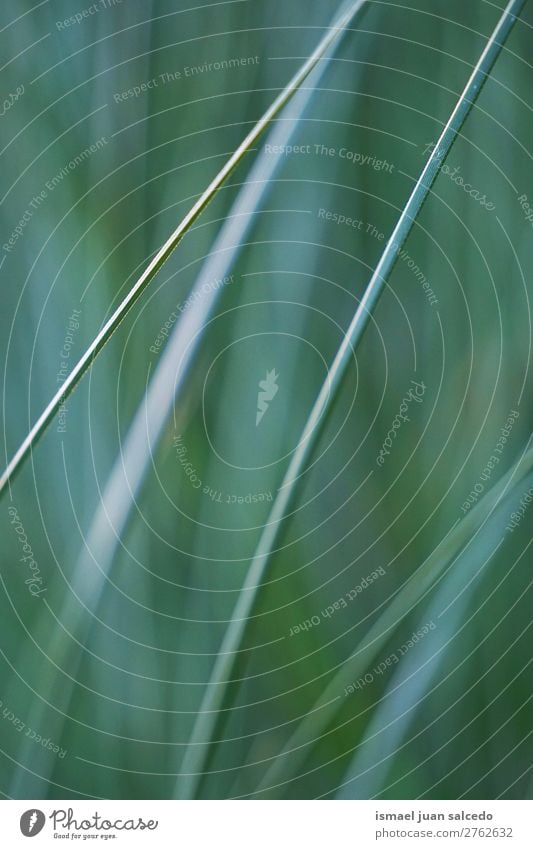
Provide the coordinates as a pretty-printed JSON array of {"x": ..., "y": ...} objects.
[
  {"x": 333, "y": 32},
  {"x": 457, "y": 541},
  {"x": 126, "y": 477},
  {"x": 217, "y": 696}
]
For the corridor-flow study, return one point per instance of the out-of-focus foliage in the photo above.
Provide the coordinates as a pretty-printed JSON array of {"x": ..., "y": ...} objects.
[{"x": 121, "y": 119}]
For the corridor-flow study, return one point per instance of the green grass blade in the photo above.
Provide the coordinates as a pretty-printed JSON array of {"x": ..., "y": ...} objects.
[
  {"x": 85, "y": 362},
  {"x": 459, "y": 540},
  {"x": 414, "y": 679},
  {"x": 128, "y": 472},
  {"x": 217, "y": 696}
]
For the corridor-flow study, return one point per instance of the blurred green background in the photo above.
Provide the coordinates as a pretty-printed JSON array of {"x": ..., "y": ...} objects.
[{"x": 95, "y": 178}]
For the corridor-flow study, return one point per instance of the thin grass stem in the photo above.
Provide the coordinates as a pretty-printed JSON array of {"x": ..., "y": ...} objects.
[
  {"x": 217, "y": 694},
  {"x": 101, "y": 339}
]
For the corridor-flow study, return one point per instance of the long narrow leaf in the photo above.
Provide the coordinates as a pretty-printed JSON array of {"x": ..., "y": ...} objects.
[
  {"x": 419, "y": 585},
  {"x": 217, "y": 696},
  {"x": 413, "y": 680},
  {"x": 125, "y": 480},
  {"x": 329, "y": 39}
]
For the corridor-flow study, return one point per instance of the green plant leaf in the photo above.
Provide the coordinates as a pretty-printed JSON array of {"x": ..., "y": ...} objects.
[
  {"x": 217, "y": 695},
  {"x": 101, "y": 339},
  {"x": 463, "y": 538}
]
